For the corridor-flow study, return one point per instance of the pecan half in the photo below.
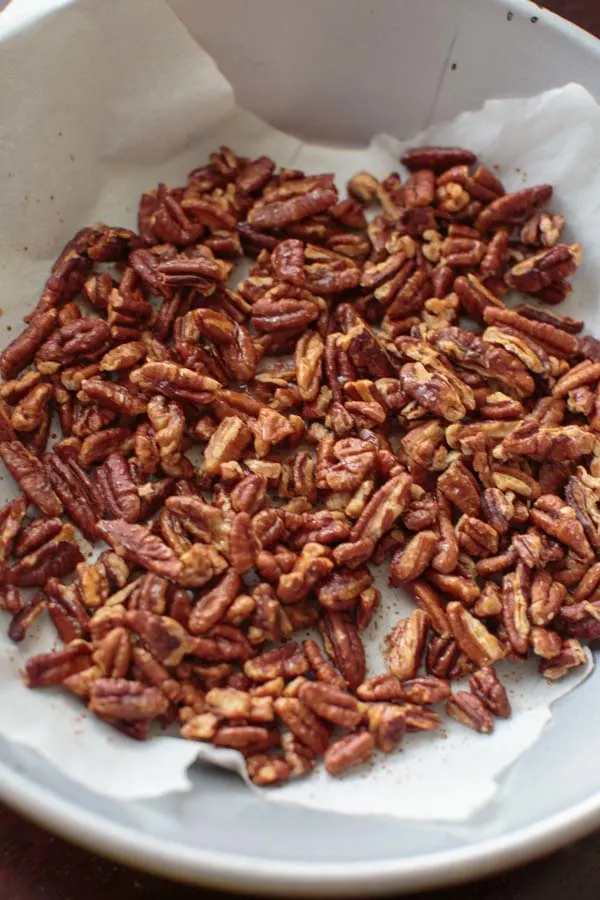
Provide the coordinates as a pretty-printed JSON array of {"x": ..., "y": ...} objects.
[{"x": 30, "y": 475}]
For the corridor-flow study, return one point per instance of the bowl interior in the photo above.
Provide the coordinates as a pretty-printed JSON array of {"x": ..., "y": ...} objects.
[{"x": 418, "y": 63}]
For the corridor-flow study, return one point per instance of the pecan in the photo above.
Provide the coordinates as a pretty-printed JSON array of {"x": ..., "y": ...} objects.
[
  {"x": 560, "y": 521},
  {"x": 81, "y": 340},
  {"x": 446, "y": 558},
  {"x": 287, "y": 260},
  {"x": 176, "y": 382},
  {"x": 405, "y": 645},
  {"x": 22, "y": 350},
  {"x": 11, "y": 518},
  {"x": 342, "y": 588},
  {"x": 350, "y": 750},
  {"x": 267, "y": 768},
  {"x": 473, "y": 638},
  {"x": 323, "y": 669},
  {"x": 31, "y": 477},
  {"x": 439, "y": 159},
  {"x": 213, "y": 605},
  {"x": 24, "y": 612},
  {"x": 545, "y": 643},
  {"x": 48, "y": 669},
  {"x": 343, "y": 644},
  {"x": 571, "y": 656},
  {"x": 35, "y": 533},
  {"x": 410, "y": 561},
  {"x": 307, "y": 358},
  {"x": 430, "y": 602},
  {"x": 118, "y": 488},
  {"x": 547, "y": 597},
  {"x": 168, "y": 421},
  {"x": 227, "y": 443},
  {"x": 231, "y": 703},
  {"x": 286, "y": 661},
  {"x": 137, "y": 544},
  {"x": 556, "y": 340},
  {"x": 544, "y": 269},
  {"x": 283, "y": 212},
  {"x": 469, "y": 710},
  {"x": 285, "y": 314},
  {"x": 78, "y": 493},
  {"x": 331, "y": 703},
  {"x": 472, "y": 352},
  {"x": 456, "y": 586},
  {"x": 368, "y": 604},
  {"x": 461, "y": 488},
  {"x": 68, "y": 615},
  {"x": 436, "y": 391},
  {"x": 29, "y": 411},
  {"x": 98, "y": 446},
  {"x": 492, "y": 693},
  {"x": 114, "y": 396},
  {"x": 476, "y": 537},
  {"x": 113, "y": 654},
  {"x": 513, "y": 208},
  {"x": 309, "y": 568},
  {"x": 303, "y": 723},
  {"x": 379, "y": 515},
  {"x": 117, "y": 698},
  {"x": 387, "y": 724},
  {"x": 419, "y": 189}
]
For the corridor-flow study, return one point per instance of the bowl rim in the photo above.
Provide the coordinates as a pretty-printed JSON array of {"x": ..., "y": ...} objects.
[
  {"x": 240, "y": 873},
  {"x": 235, "y": 872}
]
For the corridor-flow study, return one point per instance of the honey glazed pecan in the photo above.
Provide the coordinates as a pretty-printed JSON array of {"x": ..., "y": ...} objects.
[{"x": 249, "y": 452}]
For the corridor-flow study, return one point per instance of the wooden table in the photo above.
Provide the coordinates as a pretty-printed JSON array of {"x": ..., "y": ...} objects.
[{"x": 36, "y": 866}]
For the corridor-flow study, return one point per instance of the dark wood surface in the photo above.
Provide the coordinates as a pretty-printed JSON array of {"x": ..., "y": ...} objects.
[{"x": 37, "y": 866}]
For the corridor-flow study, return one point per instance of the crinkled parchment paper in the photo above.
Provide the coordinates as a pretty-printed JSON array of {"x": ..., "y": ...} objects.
[{"x": 100, "y": 101}]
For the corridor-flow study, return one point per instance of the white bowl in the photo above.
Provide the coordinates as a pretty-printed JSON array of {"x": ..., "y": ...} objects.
[{"x": 341, "y": 70}]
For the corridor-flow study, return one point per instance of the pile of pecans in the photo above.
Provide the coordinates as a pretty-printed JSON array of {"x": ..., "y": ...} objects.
[{"x": 343, "y": 417}]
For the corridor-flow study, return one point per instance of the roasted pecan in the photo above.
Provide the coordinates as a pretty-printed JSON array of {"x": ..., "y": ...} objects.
[
  {"x": 78, "y": 493},
  {"x": 323, "y": 669},
  {"x": 343, "y": 587},
  {"x": 476, "y": 537},
  {"x": 559, "y": 520},
  {"x": 571, "y": 656},
  {"x": 437, "y": 158},
  {"x": 312, "y": 565},
  {"x": 379, "y": 515},
  {"x": 117, "y": 698},
  {"x": 490, "y": 690},
  {"x": 30, "y": 475},
  {"x": 514, "y": 208},
  {"x": 213, "y": 605},
  {"x": 406, "y": 644},
  {"x": 303, "y": 723},
  {"x": 118, "y": 488},
  {"x": 343, "y": 644},
  {"x": 544, "y": 269},
  {"x": 350, "y": 750},
  {"x": 22, "y": 350},
  {"x": 331, "y": 703},
  {"x": 279, "y": 213},
  {"x": 85, "y": 339},
  {"x": 410, "y": 561},
  {"x": 461, "y": 488},
  {"x": 469, "y": 710},
  {"x": 137, "y": 544},
  {"x": 473, "y": 638},
  {"x": 48, "y": 669}
]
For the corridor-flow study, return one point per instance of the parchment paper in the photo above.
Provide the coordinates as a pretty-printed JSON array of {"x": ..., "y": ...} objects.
[{"x": 136, "y": 101}]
